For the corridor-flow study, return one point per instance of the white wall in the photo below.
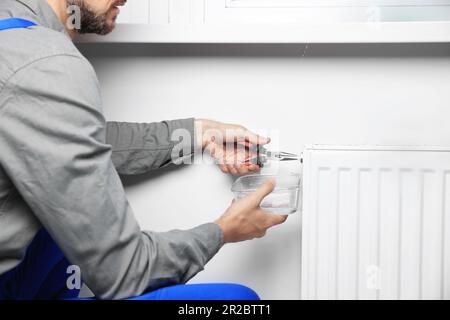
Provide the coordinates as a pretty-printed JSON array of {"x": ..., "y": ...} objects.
[{"x": 347, "y": 94}]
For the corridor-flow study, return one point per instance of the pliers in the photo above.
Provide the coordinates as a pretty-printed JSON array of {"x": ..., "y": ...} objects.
[{"x": 263, "y": 156}]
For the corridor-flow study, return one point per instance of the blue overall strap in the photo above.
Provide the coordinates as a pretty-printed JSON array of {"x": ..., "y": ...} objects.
[{"x": 15, "y": 23}]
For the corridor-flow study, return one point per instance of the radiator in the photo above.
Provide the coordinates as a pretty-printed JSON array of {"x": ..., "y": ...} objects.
[{"x": 376, "y": 223}]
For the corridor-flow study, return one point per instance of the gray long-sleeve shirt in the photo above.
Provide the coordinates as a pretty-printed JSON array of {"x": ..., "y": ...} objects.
[{"x": 59, "y": 165}]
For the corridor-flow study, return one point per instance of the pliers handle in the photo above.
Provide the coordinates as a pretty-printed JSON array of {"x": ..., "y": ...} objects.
[{"x": 263, "y": 156}]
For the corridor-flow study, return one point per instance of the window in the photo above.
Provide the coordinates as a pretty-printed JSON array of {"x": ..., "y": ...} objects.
[
  {"x": 349, "y": 10},
  {"x": 333, "y": 3}
]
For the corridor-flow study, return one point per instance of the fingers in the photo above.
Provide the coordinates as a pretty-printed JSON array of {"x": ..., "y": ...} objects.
[
  {"x": 274, "y": 219},
  {"x": 255, "y": 139},
  {"x": 252, "y": 167},
  {"x": 264, "y": 190},
  {"x": 269, "y": 220},
  {"x": 224, "y": 168},
  {"x": 232, "y": 169},
  {"x": 238, "y": 169},
  {"x": 239, "y": 134},
  {"x": 243, "y": 170}
]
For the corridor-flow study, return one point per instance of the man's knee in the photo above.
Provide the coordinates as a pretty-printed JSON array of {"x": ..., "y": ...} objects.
[
  {"x": 223, "y": 291},
  {"x": 240, "y": 292}
]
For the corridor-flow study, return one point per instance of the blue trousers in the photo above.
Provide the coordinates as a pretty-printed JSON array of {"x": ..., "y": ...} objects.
[{"x": 43, "y": 275}]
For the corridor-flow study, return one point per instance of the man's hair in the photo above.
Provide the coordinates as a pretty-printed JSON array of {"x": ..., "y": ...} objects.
[{"x": 90, "y": 22}]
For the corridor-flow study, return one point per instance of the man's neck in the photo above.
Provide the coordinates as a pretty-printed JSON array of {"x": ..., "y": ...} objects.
[{"x": 60, "y": 9}]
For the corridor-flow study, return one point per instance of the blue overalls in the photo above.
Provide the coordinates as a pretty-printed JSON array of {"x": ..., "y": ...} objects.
[
  {"x": 15, "y": 23},
  {"x": 43, "y": 273}
]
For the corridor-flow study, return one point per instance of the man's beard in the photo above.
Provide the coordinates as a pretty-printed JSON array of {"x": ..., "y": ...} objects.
[{"x": 90, "y": 22}]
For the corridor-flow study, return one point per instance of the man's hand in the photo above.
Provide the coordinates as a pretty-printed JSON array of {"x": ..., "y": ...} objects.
[
  {"x": 245, "y": 220},
  {"x": 230, "y": 145}
]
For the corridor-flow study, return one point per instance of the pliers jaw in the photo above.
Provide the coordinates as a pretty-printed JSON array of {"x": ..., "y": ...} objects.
[
  {"x": 263, "y": 156},
  {"x": 258, "y": 160}
]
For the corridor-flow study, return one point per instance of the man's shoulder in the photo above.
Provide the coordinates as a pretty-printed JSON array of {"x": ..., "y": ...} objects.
[{"x": 22, "y": 47}]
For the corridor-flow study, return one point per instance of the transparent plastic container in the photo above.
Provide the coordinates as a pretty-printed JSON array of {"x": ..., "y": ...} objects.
[{"x": 283, "y": 200}]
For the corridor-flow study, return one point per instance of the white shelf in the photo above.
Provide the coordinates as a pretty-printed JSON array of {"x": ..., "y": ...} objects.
[
  {"x": 281, "y": 21},
  {"x": 382, "y": 32}
]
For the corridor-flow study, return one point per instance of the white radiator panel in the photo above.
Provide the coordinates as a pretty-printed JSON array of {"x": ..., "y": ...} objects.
[{"x": 376, "y": 223}]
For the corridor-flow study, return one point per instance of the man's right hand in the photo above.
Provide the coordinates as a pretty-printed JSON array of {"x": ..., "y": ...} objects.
[{"x": 245, "y": 220}]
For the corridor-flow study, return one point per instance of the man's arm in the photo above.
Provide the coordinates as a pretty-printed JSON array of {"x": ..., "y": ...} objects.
[
  {"x": 52, "y": 142},
  {"x": 140, "y": 147}
]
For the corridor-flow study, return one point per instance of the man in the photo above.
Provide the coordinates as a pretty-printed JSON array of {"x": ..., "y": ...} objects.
[{"x": 63, "y": 210}]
